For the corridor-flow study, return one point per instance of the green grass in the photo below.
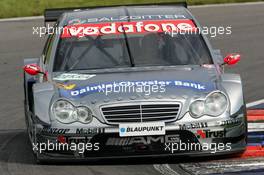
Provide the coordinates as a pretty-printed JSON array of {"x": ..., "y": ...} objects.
[{"x": 17, "y": 8}]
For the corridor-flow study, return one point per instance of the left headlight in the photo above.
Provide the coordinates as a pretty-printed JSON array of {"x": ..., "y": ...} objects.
[
  {"x": 65, "y": 112},
  {"x": 214, "y": 105}
]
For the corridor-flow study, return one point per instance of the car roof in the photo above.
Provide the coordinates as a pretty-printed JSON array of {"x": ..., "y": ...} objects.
[{"x": 121, "y": 13}]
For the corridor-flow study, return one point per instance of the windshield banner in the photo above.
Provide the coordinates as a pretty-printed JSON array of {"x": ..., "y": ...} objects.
[{"x": 134, "y": 27}]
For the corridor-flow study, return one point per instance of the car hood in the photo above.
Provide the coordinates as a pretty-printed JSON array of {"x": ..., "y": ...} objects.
[{"x": 144, "y": 84}]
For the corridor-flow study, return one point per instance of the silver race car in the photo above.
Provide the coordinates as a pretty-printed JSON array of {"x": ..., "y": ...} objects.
[{"x": 131, "y": 81}]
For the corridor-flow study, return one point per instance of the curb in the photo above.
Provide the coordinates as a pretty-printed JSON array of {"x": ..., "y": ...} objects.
[
  {"x": 255, "y": 115},
  {"x": 253, "y": 151}
]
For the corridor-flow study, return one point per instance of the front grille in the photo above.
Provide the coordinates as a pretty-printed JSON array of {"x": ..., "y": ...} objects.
[{"x": 141, "y": 113}]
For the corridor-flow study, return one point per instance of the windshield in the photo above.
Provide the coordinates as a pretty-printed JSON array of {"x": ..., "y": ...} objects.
[{"x": 129, "y": 50}]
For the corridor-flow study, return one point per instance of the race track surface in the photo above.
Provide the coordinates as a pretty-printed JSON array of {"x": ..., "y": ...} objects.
[{"x": 18, "y": 42}]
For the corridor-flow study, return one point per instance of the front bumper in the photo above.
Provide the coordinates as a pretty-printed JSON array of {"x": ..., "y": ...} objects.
[{"x": 199, "y": 139}]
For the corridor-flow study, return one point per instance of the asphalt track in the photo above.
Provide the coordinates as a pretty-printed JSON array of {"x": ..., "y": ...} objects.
[{"x": 18, "y": 42}]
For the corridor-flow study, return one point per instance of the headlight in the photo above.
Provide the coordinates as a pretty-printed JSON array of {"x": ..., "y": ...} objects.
[
  {"x": 214, "y": 105},
  {"x": 84, "y": 115},
  {"x": 197, "y": 108},
  {"x": 65, "y": 112}
]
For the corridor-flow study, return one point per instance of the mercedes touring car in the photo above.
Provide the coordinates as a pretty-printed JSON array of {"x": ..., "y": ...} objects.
[{"x": 131, "y": 81}]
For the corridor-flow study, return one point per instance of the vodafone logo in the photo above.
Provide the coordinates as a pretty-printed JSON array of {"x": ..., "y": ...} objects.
[{"x": 82, "y": 30}]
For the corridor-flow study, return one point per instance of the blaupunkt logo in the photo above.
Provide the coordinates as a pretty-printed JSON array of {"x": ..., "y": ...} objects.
[{"x": 122, "y": 130}]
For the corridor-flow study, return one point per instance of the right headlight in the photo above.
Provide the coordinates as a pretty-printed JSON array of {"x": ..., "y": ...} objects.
[
  {"x": 65, "y": 112},
  {"x": 214, "y": 105}
]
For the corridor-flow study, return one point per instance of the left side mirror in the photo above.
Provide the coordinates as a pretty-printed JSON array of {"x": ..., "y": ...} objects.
[
  {"x": 32, "y": 69},
  {"x": 232, "y": 59}
]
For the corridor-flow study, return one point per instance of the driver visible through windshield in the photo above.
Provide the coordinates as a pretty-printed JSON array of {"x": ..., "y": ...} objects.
[{"x": 118, "y": 45}]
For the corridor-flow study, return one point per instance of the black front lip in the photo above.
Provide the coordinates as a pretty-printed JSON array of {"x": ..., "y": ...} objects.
[
  {"x": 181, "y": 156},
  {"x": 117, "y": 150}
]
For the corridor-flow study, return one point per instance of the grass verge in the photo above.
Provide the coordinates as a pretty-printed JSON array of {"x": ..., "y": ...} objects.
[{"x": 18, "y": 8}]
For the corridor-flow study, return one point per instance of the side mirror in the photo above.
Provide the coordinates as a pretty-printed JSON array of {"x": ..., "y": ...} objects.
[
  {"x": 33, "y": 69},
  {"x": 232, "y": 59}
]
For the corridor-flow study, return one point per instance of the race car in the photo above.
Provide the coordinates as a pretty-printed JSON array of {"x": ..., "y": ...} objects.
[{"x": 131, "y": 81}]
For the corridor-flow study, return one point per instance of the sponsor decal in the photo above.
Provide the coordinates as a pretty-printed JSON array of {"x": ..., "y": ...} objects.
[
  {"x": 145, "y": 140},
  {"x": 66, "y": 86},
  {"x": 141, "y": 129},
  {"x": 231, "y": 122},
  {"x": 193, "y": 126},
  {"x": 71, "y": 76},
  {"x": 103, "y": 87},
  {"x": 203, "y": 134},
  {"x": 117, "y": 28},
  {"x": 125, "y": 18},
  {"x": 54, "y": 131},
  {"x": 90, "y": 130}
]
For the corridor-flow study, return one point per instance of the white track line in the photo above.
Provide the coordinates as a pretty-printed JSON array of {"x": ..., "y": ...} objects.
[
  {"x": 165, "y": 169},
  {"x": 253, "y": 164},
  {"x": 21, "y": 19},
  {"x": 255, "y": 103},
  {"x": 253, "y": 127},
  {"x": 192, "y": 6}
]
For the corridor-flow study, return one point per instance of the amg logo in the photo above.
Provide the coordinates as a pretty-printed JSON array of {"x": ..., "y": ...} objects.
[{"x": 142, "y": 140}]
